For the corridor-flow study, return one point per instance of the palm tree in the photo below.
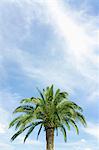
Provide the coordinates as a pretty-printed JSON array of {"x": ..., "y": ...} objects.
[{"x": 51, "y": 111}]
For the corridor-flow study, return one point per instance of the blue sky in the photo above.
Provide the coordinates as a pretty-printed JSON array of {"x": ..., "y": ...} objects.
[{"x": 44, "y": 42}]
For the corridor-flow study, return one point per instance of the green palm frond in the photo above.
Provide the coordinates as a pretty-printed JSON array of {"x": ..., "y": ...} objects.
[
  {"x": 57, "y": 93},
  {"x": 63, "y": 130},
  {"x": 23, "y": 121},
  {"x": 81, "y": 118},
  {"x": 72, "y": 122},
  {"x": 77, "y": 107},
  {"x": 67, "y": 124},
  {"x": 18, "y": 124},
  {"x": 19, "y": 132},
  {"x": 63, "y": 94},
  {"x": 12, "y": 123},
  {"x": 48, "y": 94},
  {"x": 56, "y": 131},
  {"x": 58, "y": 116},
  {"x": 26, "y": 100},
  {"x": 24, "y": 108},
  {"x": 31, "y": 129},
  {"x": 51, "y": 92},
  {"x": 31, "y": 100},
  {"x": 39, "y": 131},
  {"x": 42, "y": 96}
]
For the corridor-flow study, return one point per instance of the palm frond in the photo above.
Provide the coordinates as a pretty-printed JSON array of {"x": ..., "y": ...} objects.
[
  {"x": 19, "y": 132},
  {"x": 24, "y": 108},
  {"x": 31, "y": 100},
  {"x": 41, "y": 95},
  {"x": 72, "y": 122},
  {"x": 14, "y": 121},
  {"x": 56, "y": 131},
  {"x": 25, "y": 100},
  {"x": 67, "y": 124},
  {"x": 56, "y": 113},
  {"x": 81, "y": 118},
  {"x": 63, "y": 94},
  {"x": 51, "y": 92},
  {"x": 63, "y": 130},
  {"x": 25, "y": 120},
  {"x": 19, "y": 123},
  {"x": 76, "y": 106},
  {"x": 39, "y": 131},
  {"x": 57, "y": 93},
  {"x": 31, "y": 129}
]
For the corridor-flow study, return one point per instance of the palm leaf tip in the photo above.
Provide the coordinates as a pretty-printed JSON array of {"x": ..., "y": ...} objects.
[
  {"x": 72, "y": 122},
  {"x": 41, "y": 94},
  {"x": 39, "y": 131},
  {"x": 31, "y": 129},
  {"x": 25, "y": 100},
  {"x": 13, "y": 122},
  {"x": 29, "y": 132},
  {"x": 82, "y": 119},
  {"x": 51, "y": 90},
  {"x": 63, "y": 130},
  {"x": 15, "y": 135}
]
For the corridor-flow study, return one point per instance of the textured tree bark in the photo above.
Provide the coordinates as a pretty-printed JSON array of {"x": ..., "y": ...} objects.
[{"x": 50, "y": 139}]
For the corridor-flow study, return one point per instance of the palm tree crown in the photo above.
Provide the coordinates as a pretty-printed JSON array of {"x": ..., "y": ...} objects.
[{"x": 52, "y": 110}]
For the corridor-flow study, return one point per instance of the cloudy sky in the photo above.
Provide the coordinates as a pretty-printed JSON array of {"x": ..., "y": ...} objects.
[{"x": 44, "y": 42}]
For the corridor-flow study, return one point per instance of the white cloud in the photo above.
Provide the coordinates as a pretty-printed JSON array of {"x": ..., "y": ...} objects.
[
  {"x": 32, "y": 68},
  {"x": 20, "y": 139},
  {"x": 2, "y": 128},
  {"x": 33, "y": 142},
  {"x": 80, "y": 66},
  {"x": 2, "y": 70},
  {"x": 81, "y": 40},
  {"x": 94, "y": 96},
  {"x": 3, "y": 120},
  {"x": 93, "y": 129},
  {"x": 5, "y": 146},
  {"x": 8, "y": 100},
  {"x": 6, "y": 94},
  {"x": 77, "y": 145},
  {"x": 3, "y": 113},
  {"x": 88, "y": 149}
]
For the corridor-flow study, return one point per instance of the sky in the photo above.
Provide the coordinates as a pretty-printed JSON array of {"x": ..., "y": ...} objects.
[{"x": 44, "y": 42}]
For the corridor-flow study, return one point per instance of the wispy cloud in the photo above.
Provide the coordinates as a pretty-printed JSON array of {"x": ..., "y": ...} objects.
[
  {"x": 78, "y": 39},
  {"x": 29, "y": 141},
  {"x": 5, "y": 146},
  {"x": 77, "y": 145},
  {"x": 93, "y": 130},
  {"x": 2, "y": 128},
  {"x": 94, "y": 96}
]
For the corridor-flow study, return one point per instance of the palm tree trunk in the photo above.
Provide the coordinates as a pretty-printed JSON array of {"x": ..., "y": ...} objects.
[{"x": 50, "y": 139}]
